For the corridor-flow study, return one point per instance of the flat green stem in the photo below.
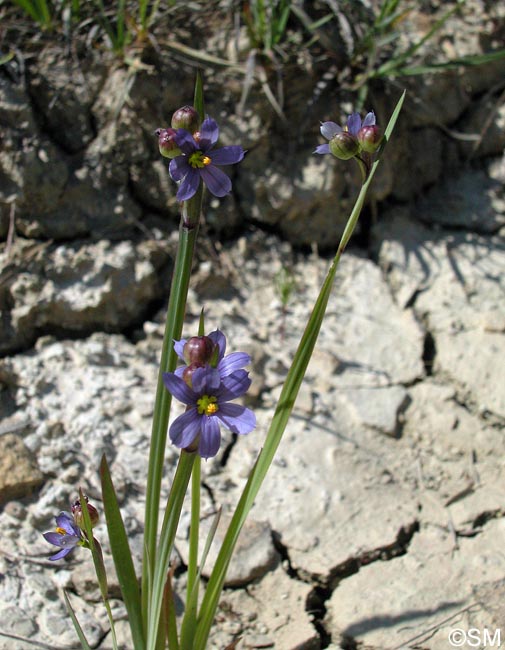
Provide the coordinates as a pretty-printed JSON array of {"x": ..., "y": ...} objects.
[
  {"x": 188, "y": 232},
  {"x": 189, "y": 622},
  {"x": 167, "y": 536}
]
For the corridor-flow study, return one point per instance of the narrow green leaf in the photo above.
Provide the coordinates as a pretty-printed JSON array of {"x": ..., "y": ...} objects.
[
  {"x": 173, "y": 330},
  {"x": 77, "y": 626},
  {"x": 397, "y": 61},
  {"x": 96, "y": 552},
  {"x": 169, "y": 614},
  {"x": 453, "y": 64},
  {"x": 279, "y": 421},
  {"x": 122, "y": 557},
  {"x": 198, "y": 102},
  {"x": 166, "y": 543},
  {"x": 189, "y": 620}
]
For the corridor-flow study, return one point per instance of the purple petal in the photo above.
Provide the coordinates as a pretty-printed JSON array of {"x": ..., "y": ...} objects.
[
  {"x": 178, "y": 372},
  {"x": 53, "y": 538},
  {"x": 179, "y": 348},
  {"x": 63, "y": 553},
  {"x": 227, "y": 155},
  {"x": 233, "y": 386},
  {"x": 217, "y": 181},
  {"x": 209, "y": 134},
  {"x": 185, "y": 141},
  {"x": 178, "y": 388},
  {"x": 369, "y": 119},
  {"x": 354, "y": 123},
  {"x": 189, "y": 185},
  {"x": 322, "y": 148},
  {"x": 218, "y": 338},
  {"x": 236, "y": 418},
  {"x": 66, "y": 521},
  {"x": 210, "y": 440},
  {"x": 185, "y": 428},
  {"x": 206, "y": 381},
  {"x": 329, "y": 130},
  {"x": 178, "y": 168},
  {"x": 232, "y": 362}
]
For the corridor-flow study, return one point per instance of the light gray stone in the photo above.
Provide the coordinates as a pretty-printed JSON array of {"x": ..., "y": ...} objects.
[
  {"x": 455, "y": 283},
  {"x": 254, "y": 553},
  {"x": 420, "y": 597}
]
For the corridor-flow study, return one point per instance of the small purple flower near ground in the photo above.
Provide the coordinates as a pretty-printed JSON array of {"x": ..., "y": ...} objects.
[
  {"x": 67, "y": 535},
  {"x": 330, "y": 130},
  {"x": 208, "y": 402},
  {"x": 199, "y": 160}
]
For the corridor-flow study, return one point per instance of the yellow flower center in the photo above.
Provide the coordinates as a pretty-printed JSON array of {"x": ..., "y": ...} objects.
[
  {"x": 61, "y": 531},
  {"x": 207, "y": 405},
  {"x": 198, "y": 160}
]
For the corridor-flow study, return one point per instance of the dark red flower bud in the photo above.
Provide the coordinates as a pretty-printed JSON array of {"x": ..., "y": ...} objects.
[
  {"x": 185, "y": 118},
  {"x": 166, "y": 142},
  {"x": 370, "y": 138},
  {"x": 77, "y": 513},
  {"x": 198, "y": 350},
  {"x": 187, "y": 375},
  {"x": 344, "y": 145}
]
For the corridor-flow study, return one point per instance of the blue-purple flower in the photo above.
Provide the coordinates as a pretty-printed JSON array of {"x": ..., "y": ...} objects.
[
  {"x": 67, "y": 535},
  {"x": 199, "y": 160},
  {"x": 344, "y": 141},
  {"x": 208, "y": 401}
]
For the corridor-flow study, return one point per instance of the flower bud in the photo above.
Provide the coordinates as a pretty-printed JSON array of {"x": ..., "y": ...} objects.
[
  {"x": 198, "y": 350},
  {"x": 77, "y": 513},
  {"x": 187, "y": 374},
  {"x": 370, "y": 137},
  {"x": 344, "y": 145},
  {"x": 185, "y": 118},
  {"x": 166, "y": 142}
]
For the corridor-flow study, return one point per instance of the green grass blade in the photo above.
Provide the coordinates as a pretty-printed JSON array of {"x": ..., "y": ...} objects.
[
  {"x": 454, "y": 64},
  {"x": 279, "y": 421},
  {"x": 198, "y": 102},
  {"x": 169, "y": 614},
  {"x": 96, "y": 552},
  {"x": 122, "y": 557},
  {"x": 163, "y": 401},
  {"x": 167, "y": 536},
  {"x": 189, "y": 620},
  {"x": 399, "y": 60},
  {"x": 38, "y": 10},
  {"x": 82, "y": 638}
]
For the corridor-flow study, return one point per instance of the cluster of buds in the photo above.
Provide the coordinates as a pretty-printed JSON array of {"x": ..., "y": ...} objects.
[
  {"x": 183, "y": 118},
  {"x": 355, "y": 138},
  {"x": 198, "y": 351}
]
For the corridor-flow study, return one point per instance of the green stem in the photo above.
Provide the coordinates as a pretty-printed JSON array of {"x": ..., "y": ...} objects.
[
  {"x": 188, "y": 232},
  {"x": 167, "y": 536},
  {"x": 189, "y": 621}
]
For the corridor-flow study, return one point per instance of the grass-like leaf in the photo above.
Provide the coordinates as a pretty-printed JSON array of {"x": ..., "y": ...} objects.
[
  {"x": 82, "y": 638},
  {"x": 166, "y": 543},
  {"x": 198, "y": 102},
  {"x": 122, "y": 557},
  {"x": 38, "y": 10}
]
